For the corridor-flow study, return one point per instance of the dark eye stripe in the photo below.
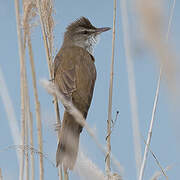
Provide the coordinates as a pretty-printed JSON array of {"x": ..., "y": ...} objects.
[{"x": 85, "y": 32}]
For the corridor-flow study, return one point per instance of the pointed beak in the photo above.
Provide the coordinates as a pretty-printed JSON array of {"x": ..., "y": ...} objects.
[{"x": 100, "y": 30}]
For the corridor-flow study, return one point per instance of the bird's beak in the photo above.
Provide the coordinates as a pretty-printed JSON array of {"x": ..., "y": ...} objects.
[{"x": 100, "y": 30}]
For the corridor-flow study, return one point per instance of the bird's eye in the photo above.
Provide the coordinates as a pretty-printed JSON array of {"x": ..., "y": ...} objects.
[{"x": 85, "y": 32}]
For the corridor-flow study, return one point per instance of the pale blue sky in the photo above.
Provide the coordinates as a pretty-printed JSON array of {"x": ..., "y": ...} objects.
[{"x": 165, "y": 141}]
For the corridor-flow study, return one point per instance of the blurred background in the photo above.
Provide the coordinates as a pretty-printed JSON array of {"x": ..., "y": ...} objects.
[{"x": 165, "y": 138}]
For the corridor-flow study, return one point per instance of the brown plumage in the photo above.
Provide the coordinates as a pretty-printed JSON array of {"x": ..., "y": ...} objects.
[{"x": 75, "y": 75}]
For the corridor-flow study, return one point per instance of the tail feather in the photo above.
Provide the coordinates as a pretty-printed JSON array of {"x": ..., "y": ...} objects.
[{"x": 68, "y": 142}]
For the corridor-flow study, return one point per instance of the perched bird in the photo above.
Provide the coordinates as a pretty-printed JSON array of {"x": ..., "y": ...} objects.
[{"x": 75, "y": 76}]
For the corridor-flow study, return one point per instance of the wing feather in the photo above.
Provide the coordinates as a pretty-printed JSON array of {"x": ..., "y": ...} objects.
[{"x": 75, "y": 75}]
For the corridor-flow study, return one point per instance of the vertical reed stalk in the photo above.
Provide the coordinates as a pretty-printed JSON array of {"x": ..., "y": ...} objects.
[
  {"x": 38, "y": 118},
  {"x": 48, "y": 50},
  {"x": 60, "y": 174},
  {"x": 66, "y": 177},
  {"x": 28, "y": 14},
  {"x": 31, "y": 145},
  {"x": 1, "y": 177},
  {"x": 27, "y": 122},
  {"x": 132, "y": 87},
  {"x": 150, "y": 130},
  {"x": 22, "y": 67},
  {"x": 37, "y": 104},
  {"x": 155, "y": 104},
  {"x": 26, "y": 144},
  {"x": 40, "y": 143},
  {"x": 27, "y": 114},
  {"x": 48, "y": 57},
  {"x": 108, "y": 138}
]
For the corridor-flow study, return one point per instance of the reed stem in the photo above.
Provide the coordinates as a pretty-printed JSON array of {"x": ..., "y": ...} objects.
[
  {"x": 22, "y": 74},
  {"x": 108, "y": 138}
]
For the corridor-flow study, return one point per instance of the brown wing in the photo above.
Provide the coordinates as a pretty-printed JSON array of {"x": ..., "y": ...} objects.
[
  {"x": 85, "y": 80},
  {"x": 75, "y": 75},
  {"x": 64, "y": 75}
]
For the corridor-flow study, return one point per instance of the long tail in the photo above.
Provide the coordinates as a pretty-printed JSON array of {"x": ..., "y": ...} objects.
[{"x": 68, "y": 142}]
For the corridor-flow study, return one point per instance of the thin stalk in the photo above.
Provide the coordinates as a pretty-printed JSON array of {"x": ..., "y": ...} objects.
[
  {"x": 37, "y": 106},
  {"x": 1, "y": 177},
  {"x": 27, "y": 114},
  {"x": 156, "y": 159},
  {"x": 60, "y": 173},
  {"x": 22, "y": 68},
  {"x": 108, "y": 168},
  {"x": 32, "y": 145},
  {"x": 26, "y": 143},
  {"x": 27, "y": 122},
  {"x": 150, "y": 130},
  {"x": 58, "y": 122},
  {"x": 49, "y": 62},
  {"x": 155, "y": 104},
  {"x": 66, "y": 177},
  {"x": 132, "y": 87}
]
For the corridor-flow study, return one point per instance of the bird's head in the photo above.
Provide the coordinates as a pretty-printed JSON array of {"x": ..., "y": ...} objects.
[{"x": 82, "y": 33}]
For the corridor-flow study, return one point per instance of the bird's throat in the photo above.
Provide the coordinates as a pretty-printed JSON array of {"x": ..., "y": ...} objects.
[{"x": 88, "y": 45}]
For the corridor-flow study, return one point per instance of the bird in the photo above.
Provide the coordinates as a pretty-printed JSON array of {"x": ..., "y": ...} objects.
[{"x": 75, "y": 76}]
